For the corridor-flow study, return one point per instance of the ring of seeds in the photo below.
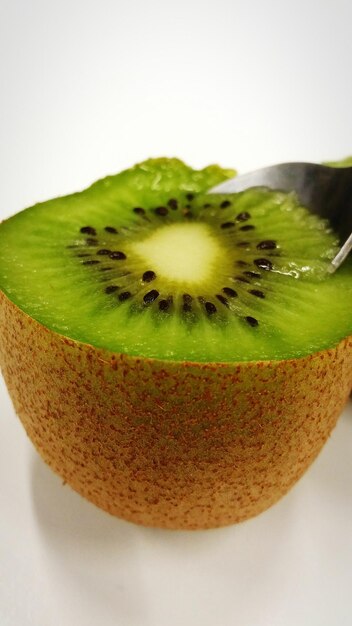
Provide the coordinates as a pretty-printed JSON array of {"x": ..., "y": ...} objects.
[{"x": 109, "y": 245}]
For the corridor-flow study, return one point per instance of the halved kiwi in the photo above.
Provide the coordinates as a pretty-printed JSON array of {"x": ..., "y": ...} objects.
[{"x": 178, "y": 357}]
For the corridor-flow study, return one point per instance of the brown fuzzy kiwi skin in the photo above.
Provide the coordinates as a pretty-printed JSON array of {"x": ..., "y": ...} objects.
[{"x": 170, "y": 444}]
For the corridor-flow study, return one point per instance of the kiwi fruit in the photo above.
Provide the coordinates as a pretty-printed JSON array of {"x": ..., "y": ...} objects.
[{"x": 179, "y": 358}]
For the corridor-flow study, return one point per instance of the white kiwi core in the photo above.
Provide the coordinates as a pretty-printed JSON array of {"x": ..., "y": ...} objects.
[{"x": 183, "y": 253}]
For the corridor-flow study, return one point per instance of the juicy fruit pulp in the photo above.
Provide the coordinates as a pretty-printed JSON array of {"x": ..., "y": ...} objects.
[{"x": 146, "y": 263}]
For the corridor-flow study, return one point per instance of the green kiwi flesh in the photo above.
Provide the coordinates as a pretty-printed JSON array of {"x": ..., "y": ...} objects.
[{"x": 147, "y": 263}]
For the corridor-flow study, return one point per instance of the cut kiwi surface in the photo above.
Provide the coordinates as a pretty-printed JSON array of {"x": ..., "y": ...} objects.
[{"x": 147, "y": 263}]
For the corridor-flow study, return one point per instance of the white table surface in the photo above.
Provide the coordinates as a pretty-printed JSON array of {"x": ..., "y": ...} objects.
[{"x": 88, "y": 88}]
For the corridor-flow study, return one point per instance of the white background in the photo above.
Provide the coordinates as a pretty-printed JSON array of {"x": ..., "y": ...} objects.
[{"x": 88, "y": 88}]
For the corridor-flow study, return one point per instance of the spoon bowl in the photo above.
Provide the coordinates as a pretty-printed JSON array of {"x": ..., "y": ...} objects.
[{"x": 323, "y": 190}]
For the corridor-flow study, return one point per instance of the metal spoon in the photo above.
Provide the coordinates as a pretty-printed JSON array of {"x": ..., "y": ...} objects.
[{"x": 324, "y": 190}]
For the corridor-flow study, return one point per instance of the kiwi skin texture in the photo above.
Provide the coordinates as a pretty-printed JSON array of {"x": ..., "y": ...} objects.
[{"x": 170, "y": 444}]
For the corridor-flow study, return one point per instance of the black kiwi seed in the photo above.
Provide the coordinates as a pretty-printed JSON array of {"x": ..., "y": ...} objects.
[
  {"x": 138, "y": 210},
  {"x": 230, "y": 292},
  {"x": 189, "y": 196},
  {"x": 210, "y": 308},
  {"x": 111, "y": 229},
  {"x": 247, "y": 227},
  {"x": 88, "y": 230},
  {"x": 173, "y": 204},
  {"x": 161, "y": 210},
  {"x": 227, "y": 224},
  {"x": 257, "y": 293},
  {"x": 117, "y": 256},
  {"x": 124, "y": 295},
  {"x": 251, "y": 320},
  {"x": 268, "y": 244},
  {"x": 151, "y": 296},
  {"x": 148, "y": 276},
  {"x": 187, "y": 302},
  {"x": 225, "y": 204},
  {"x": 111, "y": 288},
  {"x": 103, "y": 252},
  {"x": 206, "y": 205},
  {"x": 164, "y": 305},
  {"x": 91, "y": 242},
  {"x": 241, "y": 279},
  {"x": 222, "y": 299},
  {"x": 187, "y": 213},
  {"x": 91, "y": 262},
  {"x": 251, "y": 274},
  {"x": 243, "y": 217},
  {"x": 263, "y": 264}
]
